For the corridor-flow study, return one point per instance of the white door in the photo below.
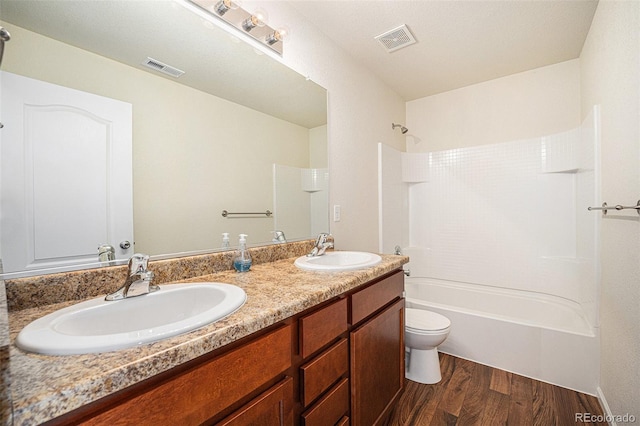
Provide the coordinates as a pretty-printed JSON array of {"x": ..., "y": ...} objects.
[{"x": 66, "y": 175}]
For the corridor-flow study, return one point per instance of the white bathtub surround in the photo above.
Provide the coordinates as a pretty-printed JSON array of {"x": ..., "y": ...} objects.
[{"x": 508, "y": 217}]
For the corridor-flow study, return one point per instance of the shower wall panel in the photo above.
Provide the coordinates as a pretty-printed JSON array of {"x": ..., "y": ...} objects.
[
  {"x": 510, "y": 215},
  {"x": 392, "y": 200}
]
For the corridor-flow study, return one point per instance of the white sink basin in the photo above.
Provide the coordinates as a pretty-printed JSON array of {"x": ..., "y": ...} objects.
[
  {"x": 335, "y": 261},
  {"x": 97, "y": 325}
]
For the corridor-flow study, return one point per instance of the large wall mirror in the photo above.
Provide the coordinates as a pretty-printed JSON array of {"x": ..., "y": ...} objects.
[{"x": 238, "y": 131}]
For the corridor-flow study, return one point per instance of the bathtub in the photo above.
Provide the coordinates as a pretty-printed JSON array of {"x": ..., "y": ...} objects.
[{"x": 539, "y": 336}]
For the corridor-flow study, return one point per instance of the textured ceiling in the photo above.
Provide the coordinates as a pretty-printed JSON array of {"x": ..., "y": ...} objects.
[{"x": 459, "y": 42}]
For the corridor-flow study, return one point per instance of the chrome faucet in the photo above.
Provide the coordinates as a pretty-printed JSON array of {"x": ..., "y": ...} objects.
[
  {"x": 139, "y": 280},
  {"x": 323, "y": 242},
  {"x": 106, "y": 253},
  {"x": 278, "y": 237}
]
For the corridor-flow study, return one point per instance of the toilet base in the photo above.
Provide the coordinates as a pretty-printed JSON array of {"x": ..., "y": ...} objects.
[{"x": 423, "y": 366}]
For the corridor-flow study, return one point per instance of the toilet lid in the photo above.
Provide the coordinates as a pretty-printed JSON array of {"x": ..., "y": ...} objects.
[{"x": 420, "y": 319}]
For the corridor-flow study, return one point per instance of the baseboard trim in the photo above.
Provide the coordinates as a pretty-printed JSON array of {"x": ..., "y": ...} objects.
[{"x": 605, "y": 407}]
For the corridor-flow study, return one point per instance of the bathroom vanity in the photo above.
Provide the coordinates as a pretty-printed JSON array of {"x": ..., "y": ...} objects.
[{"x": 307, "y": 348}]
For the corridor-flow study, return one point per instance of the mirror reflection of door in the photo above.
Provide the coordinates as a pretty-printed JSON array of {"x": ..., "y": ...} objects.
[{"x": 66, "y": 175}]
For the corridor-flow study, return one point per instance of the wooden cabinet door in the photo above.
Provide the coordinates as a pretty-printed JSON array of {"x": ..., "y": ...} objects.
[
  {"x": 272, "y": 408},
  {"x": 197, "y": 395},
  {"x": 377, "y": 365}
]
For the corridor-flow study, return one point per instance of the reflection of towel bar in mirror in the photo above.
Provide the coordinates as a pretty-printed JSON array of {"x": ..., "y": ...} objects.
[
  {"x": 605, "y": 207},
  {"x": 226, "y": 213}
]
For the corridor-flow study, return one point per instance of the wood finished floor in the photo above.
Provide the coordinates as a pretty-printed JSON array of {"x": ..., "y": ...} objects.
[{"x": 474, "y": 394}]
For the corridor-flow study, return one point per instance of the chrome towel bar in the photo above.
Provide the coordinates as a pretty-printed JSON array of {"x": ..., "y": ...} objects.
[
  {"x": 605, "y": 207},
  {"x": 226, "y": 213}
]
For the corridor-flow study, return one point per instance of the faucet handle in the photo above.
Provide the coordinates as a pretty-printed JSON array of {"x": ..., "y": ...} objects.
[
  {"x": 322, "y": 237},
  {"x": 278, "y": 237},
  {"x": 138, "y": 263},
  {"x": 323, "y": 242},
  {"x": 106, "y": 253}
]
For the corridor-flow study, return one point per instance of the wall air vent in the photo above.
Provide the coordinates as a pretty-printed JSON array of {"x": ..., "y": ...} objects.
[
  {"x": 163, "y": 68},
  {"x": 396, "y": 38}
]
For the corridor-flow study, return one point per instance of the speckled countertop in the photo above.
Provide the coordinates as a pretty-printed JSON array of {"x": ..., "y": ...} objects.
[
  {"x": 44, "y": 387},
  {"x": 5, "y": 344}
]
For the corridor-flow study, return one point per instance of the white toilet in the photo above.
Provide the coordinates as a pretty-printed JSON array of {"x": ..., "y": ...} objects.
[{"x": 424, "y": 331}]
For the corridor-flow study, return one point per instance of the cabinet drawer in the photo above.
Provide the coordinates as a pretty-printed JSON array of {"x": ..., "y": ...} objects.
[
  {"x": 322, "y": 327},
  {"x": 198, "y": 394},
  {"x": 273, "y": 407},
  {"x": 331, "y": 408},
  {"x": 323, "y": 371},
  {"x": 368, "y": 300}
]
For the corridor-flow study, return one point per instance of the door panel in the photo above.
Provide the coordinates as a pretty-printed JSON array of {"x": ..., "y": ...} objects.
[
  {"x": 377, "y": 365},
  {"x": 66, "y": 175}
]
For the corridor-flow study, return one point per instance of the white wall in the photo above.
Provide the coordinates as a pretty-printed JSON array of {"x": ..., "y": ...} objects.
[
  {"x": 530, "y": 104},
  {"x": 361, "y": 110},
  {"x": 610, "y": 62}
]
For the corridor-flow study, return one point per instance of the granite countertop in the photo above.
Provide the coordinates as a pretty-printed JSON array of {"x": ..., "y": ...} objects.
[
  {"x": 44, "y": 387},
  {"x": 5, "y": 345}
]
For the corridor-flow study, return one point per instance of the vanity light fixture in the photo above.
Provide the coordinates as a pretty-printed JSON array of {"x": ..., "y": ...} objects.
[
  {"x": 223, "y": 6},
  {"x": 253, "y": 24}
]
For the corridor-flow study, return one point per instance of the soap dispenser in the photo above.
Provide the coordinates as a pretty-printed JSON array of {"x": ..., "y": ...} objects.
[
  {"x": 242, "y": 258},
  {"x": 225, "y": 240}
]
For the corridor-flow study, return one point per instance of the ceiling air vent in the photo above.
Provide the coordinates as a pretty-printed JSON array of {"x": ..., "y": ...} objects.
[
  {"x": 396, "y": 39},
  {"x": 163, "y": 68}
]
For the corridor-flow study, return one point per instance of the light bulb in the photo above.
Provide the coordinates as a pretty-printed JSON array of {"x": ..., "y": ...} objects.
[
  {"x": 223, "y": 6},
  {"x": 257, "y": 19},
  {"x": 278, "y": 35}
]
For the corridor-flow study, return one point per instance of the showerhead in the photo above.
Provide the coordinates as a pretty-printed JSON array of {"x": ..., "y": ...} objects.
[
  {"x": 4, "y": 36},
  {"x": 402, "y": 128}
]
